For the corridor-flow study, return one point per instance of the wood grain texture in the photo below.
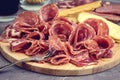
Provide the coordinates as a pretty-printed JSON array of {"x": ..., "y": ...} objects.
[{"x": 62, "y": 70}]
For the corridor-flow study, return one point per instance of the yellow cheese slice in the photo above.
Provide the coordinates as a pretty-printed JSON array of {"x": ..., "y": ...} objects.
[{"x": 114, "y": 29}]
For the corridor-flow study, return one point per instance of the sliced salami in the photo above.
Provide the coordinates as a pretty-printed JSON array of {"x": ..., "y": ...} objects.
[
  {"x": 27, "y": 18},
  {"x": 99, "y": 26},
  {"x": 48, "y": 12}
]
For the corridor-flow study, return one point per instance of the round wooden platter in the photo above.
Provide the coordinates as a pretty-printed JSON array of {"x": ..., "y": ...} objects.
[{"x": 62, "y": 70}]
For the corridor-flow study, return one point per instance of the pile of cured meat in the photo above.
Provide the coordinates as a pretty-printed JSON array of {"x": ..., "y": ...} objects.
[{"x": 80, "y": 44}]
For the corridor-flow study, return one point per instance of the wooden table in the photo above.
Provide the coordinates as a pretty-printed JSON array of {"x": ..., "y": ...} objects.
[{"x": 16, "y": 73}]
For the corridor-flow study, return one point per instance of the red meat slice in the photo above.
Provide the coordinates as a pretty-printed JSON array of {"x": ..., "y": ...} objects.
[
  {"x": 60, "y": 59},
  {"x": 35, "y": 36},
  {"x": 20, "y": 45},
  {"x": 61, "y": 29},
  {"x": 27, "y": 18},
  {"x": 104, "y": 42},
  {"x": 29, "y": 47},
  {"x": 82, "y": 59},
  {"x": 99, "y": 26},
  {"x": 48, "y": 12},
  {"x": 81, "y": 33}
]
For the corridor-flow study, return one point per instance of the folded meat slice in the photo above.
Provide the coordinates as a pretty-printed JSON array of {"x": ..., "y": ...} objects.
[
  {"x": 20, "y": 45},
  {"x": 35, "y": 36},
  {"x": 99, "y": 26},
  {"x": 90, "y": 45},
  {"x": 44, "y": 28},
  {"x": 37, "y": 47},
  {"x": 102, "y": 53},
  {"x": 29, "y": 47},
  {"x": 27, "y": 18},
  {"x": 81, "y": 33},
  {"x": 61, "y": 29},
  {"x": 59, "y": 58},
  {"x": 65, "y": 20},
  {"x": 82, "y": 59},
  {"x": 105, "y": 43},
  {"x": 19, "y": 26},
  {"x": 56, "y": 44},
  {"x": 10, "y": 32},
  {"x": 48, "y": 12},
  {"x": 60, "y": 55}
]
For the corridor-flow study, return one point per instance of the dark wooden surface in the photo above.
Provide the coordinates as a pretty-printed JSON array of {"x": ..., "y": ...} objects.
[{"x": 16, "y": 73}]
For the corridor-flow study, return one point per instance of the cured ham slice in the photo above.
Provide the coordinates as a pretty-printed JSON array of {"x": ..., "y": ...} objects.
[
  {"x": 48, "y": 12},
  {"x": 99, "y": 26}
]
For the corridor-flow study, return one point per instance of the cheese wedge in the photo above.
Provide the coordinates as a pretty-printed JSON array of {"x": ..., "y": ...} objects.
[{"x": 114, "y": 29}]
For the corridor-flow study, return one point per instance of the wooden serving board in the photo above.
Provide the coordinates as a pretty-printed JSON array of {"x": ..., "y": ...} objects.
[{"x": 62, "y": 70}]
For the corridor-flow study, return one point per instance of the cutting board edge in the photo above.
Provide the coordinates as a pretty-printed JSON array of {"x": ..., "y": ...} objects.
[{"x": 58, "y": 72}]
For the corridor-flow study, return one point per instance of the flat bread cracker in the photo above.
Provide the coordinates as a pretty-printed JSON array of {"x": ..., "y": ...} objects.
[{"x": 85, "y": 7}]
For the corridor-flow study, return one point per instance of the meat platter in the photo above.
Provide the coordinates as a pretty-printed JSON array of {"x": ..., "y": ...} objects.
[
  {"x": 77, "y": 48},
  {"x": 63, "y": 70}
]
